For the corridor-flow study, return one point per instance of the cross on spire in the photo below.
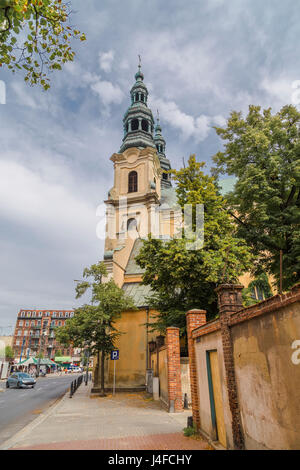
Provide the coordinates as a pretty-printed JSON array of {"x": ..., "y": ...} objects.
[{"x": 140, "y": 61}]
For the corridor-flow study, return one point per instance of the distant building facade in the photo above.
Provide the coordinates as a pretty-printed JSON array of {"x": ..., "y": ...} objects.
[{"x": 35, "y": 333}]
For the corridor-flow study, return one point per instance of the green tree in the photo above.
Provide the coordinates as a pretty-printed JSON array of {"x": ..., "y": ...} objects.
[
  {"x": 92, "y": 327},
  {"x": 58, "y": 353},
  {"x": 35, "y": 37},
  {"x": 261, "y": 283},
  {"x": 263, "y": 152},
  {"x": 9, "y": 353},
  {"x": 181, "y": 278}
]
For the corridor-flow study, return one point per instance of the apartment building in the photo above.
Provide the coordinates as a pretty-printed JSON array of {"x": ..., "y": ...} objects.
[{"x": 35, "y": 333}]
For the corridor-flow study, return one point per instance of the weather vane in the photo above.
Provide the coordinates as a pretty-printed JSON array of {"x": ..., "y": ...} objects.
[
  {"x": 157, "y": 115},
  {"x": 140, "y": 61}
]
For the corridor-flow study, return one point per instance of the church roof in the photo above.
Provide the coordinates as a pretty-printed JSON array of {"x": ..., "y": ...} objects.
[
  {"x": 132, "y": 267},
  {"x": 138, "y": 292}
]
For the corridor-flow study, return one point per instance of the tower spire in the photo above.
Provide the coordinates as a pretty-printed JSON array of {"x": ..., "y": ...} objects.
[
  {"x": 138, "y": 120},
  {"x": 160, "y": 145}
]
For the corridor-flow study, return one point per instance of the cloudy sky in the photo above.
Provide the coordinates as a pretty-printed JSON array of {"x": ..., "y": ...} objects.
[{"x": 201, "y": 59}]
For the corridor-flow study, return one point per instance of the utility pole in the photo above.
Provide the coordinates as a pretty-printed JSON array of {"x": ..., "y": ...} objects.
[{"x": 41, "y": 344}]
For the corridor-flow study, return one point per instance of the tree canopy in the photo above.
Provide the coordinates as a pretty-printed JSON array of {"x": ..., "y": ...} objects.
[
  {"x": 35, "y": 37},
  {"x": 263, "y": 151},
  {"x": 9, "y": 352},
  {"x": 92, "y": 326},
  {"x": 181, "y": 278}
]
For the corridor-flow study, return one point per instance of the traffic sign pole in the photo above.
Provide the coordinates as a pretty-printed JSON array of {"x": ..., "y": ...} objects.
[
  {"x": 114, "y": 392},
  {"x": 114, "y": 355}
]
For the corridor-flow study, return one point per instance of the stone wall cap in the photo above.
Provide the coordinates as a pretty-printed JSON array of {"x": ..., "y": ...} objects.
[
  {"x": 196, "y": 310},
  {"x": 229, "y": 287}
]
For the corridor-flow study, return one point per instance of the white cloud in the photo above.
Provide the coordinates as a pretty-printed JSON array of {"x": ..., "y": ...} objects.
[
  {"x": 47, "y": 208},
  {"x": 280, "y": 90},
  {"x": 23, "y": 96},
  {"x": 106, "y": 60},
  {"x": 197, "y": 128},
  {"x": 109, "y": 93}
]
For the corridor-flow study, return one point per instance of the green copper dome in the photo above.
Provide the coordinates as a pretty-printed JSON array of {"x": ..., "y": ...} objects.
[
  {"x": 165, "y": 164},
  {"x": 138, "y": 120}
]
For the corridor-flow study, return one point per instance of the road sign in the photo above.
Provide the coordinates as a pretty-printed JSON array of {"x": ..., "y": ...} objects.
[{"x": 114, "y": 355}]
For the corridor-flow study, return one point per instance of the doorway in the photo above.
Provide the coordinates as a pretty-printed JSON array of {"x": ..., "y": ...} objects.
[{"x": 215, "y": 395}]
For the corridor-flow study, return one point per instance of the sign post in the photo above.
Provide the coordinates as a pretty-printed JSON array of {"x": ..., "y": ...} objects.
[{"x": 114, "y": 355}]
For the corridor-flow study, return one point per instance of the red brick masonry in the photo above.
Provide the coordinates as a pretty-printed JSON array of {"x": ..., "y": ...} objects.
[
  {"x": 194, "y": 319},
  {"x": 174, "y": 441},
  {"x": 174, "y": 371}
]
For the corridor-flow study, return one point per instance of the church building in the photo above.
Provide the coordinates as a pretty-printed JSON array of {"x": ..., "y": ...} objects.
[{"x": 142, "y": 201}]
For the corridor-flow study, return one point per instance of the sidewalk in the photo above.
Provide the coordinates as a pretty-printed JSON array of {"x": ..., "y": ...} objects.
[{"x": 123, "y": 421}]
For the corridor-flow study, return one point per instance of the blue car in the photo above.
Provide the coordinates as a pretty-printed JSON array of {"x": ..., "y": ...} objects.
[{"x": 20, "y": 380}]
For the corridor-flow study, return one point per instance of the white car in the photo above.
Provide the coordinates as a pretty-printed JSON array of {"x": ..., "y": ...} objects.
[{"x": 76, "y": 370}]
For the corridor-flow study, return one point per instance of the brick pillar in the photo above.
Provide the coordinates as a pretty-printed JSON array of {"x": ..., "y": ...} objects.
[
  {"x": 174, "y": 372},
  {"x": 194, "y": 319},
  {"x": 229, "y": 302}
]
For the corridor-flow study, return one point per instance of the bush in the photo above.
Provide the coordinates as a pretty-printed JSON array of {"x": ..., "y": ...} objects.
[{"x": 190, "y": 431}]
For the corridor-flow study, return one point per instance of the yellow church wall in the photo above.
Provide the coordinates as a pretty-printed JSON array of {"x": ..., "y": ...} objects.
[
  {"x": 131, "y": 367},
  {"x": 133, "y": 344}
]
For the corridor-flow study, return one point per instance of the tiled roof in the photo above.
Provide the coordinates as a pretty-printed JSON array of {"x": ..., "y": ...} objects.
[
  {"x": 138, "y": 292},
  {"x": 132, "y": 267}
]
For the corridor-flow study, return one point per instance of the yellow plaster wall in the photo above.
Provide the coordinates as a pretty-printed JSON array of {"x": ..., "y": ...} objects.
[{"x": 131, "y": 367}]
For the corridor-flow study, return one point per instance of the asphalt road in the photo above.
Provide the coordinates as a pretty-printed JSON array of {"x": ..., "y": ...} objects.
[{"x": 18, "y": 407}]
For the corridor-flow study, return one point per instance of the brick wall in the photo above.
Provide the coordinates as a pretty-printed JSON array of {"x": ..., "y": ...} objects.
[
  {"x": 194, "y": 318},
  {"x": 259, "y": 379},
  {"x": 174, "y": 370}
]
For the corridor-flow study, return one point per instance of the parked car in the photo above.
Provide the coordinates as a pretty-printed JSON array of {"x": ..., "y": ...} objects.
[
  {"x": 20, "y": 380},
  {"x": 77, "y": 370}
]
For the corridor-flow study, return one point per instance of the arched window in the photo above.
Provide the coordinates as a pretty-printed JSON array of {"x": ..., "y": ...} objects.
[
  {"x": 132, "y": 182},
  {"x": 131, "y": 224},
  {"x": 134, "y": 125},
  {"x": 145, "y": 125}
]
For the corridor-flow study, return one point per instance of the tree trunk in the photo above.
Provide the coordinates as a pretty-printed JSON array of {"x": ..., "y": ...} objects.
[
  {"x": 102, "y": 393},
  {"x": 97, "y": 371}
]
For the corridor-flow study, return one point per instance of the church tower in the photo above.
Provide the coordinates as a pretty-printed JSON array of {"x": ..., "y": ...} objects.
[
  {"x": 139, "y": 203},
  {"x": 140, "y": 178}
]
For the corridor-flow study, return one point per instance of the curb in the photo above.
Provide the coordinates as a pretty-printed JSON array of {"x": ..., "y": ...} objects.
[{"x": 12, "y": 441}]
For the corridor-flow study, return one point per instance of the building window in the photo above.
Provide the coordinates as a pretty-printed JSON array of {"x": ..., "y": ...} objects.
[
  {"x": 165, "y": 176},
  {"x": 145, "y": 125},
  {"x": 132, "y": 182},
  {"x": 134, "y": 125}
]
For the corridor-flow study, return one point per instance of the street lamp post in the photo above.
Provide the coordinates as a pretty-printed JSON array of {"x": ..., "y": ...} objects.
[{"x": 44, "y": 333}]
